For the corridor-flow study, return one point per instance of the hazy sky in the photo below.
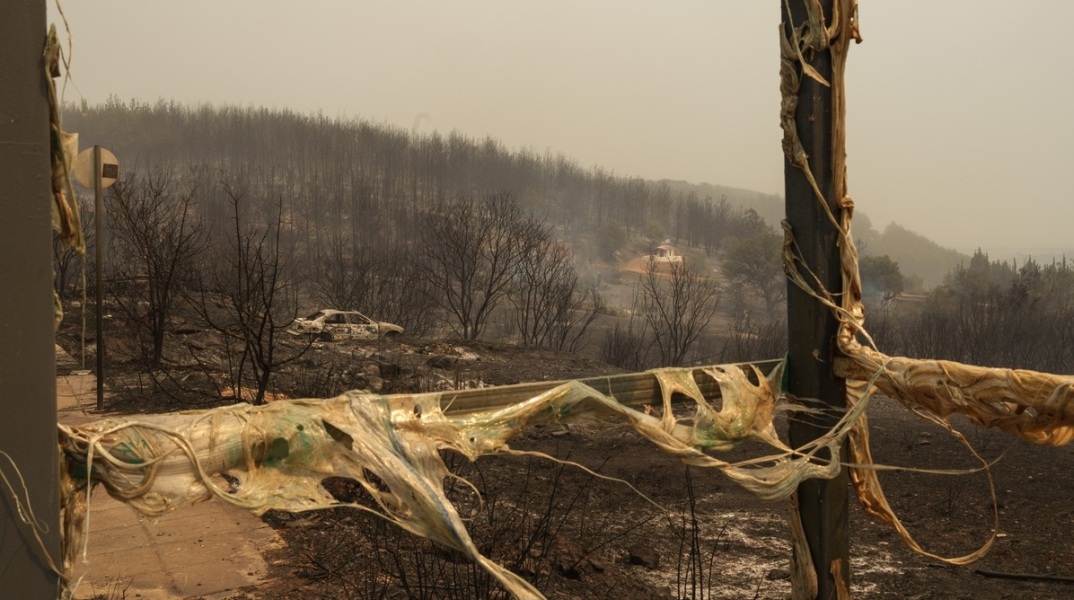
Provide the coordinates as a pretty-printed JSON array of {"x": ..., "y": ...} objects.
[{"x": 959, "y": 117}]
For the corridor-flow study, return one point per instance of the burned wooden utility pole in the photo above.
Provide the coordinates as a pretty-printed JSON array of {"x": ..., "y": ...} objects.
[
  {"x": 29, "y": 461},
  {"x": 808, "y": 115}
]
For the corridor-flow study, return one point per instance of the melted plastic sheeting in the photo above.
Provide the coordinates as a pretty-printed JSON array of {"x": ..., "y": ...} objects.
[
  {"x": 281, "y": 452},
  {"x": 1034, "y": 406},
  {"x": 1038, "y": 407}
]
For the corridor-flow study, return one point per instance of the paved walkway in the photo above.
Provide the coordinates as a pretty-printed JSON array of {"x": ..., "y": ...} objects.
[{"x": 209, "y": 550}]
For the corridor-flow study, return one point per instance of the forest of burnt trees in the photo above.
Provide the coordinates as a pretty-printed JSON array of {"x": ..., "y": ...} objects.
[
  {"x": 355, "y": 177},
  {"x": 253, "y": 215},
  {"x": 271, "y": 211}
]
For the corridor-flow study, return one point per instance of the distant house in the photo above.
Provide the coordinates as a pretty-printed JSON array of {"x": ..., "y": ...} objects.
[{"x": 664, "y": 253}]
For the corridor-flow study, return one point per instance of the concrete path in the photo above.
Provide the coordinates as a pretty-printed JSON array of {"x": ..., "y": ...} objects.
[{"x": 209, "y": 550}]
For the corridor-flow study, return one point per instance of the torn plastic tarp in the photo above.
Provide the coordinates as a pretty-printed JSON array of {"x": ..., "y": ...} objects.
[{"x": 280, "y": 453}]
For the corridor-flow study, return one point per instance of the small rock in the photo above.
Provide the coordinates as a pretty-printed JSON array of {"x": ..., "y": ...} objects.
[
  {"x": 441, "y": 362},
  {"x": 375, "y": 385},
  {"x": 644, "y": 556},
  {"x": 778, "y": 575}
]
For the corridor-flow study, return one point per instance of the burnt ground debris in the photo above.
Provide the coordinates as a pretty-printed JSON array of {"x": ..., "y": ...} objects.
[{"x": 580, "y": 536}]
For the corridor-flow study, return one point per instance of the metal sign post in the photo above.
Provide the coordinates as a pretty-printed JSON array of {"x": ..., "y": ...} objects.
[
  {"x": 100, "y": 166},
  {"x": 98, "y": 218}
]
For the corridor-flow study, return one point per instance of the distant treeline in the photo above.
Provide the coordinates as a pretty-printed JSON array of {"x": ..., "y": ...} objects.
[
  {"x": 987, "y": 313},
  {"x": 384, "y": 176}
]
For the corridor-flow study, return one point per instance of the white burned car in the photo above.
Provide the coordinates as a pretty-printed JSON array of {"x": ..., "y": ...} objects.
[{"x": 337, "y": 325}]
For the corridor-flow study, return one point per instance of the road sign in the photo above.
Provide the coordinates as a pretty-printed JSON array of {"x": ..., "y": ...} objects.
[{"x": 84, "y": 168}]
